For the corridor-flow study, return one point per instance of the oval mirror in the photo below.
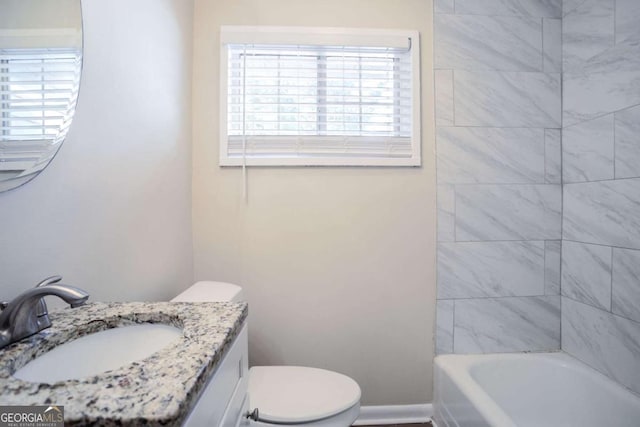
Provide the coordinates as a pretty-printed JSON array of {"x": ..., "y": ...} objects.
[{"x": 40, "y": 64}]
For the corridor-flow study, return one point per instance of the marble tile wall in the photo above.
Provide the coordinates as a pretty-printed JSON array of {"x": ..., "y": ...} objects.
[
  {"x": 600, "y": 279},
  {"x": 498, "y": 137}
]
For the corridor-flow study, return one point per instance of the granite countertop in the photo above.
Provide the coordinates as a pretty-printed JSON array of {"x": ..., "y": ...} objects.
[{"x": 158, "y": 390}]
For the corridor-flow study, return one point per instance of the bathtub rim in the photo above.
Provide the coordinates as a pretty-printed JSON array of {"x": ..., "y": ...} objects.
[{"x": 458, "y": 367}]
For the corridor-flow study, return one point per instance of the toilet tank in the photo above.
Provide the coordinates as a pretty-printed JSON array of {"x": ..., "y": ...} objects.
[{"x": 208, "y": 291}]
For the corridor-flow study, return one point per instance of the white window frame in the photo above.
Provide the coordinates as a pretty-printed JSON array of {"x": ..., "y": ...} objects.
[{"x": 329, "y": 37}]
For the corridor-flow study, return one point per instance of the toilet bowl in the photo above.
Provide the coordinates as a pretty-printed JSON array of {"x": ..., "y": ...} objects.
[{"x": 288, "y": 395}]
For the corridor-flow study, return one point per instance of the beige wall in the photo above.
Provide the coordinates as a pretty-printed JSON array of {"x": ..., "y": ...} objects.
[
  {"x": 112, "y": 212},
  {"x": 26, "y": 24},
  {"x": 338, "y": 263},
  {"x": 34, "y": 14}
]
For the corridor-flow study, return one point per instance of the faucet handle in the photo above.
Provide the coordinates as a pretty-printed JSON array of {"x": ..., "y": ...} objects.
[
  {"x": 42, "y": 306},
  {"x": 49, "y": 281}
]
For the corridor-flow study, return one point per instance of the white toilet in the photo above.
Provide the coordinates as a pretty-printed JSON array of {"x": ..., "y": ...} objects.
[{"x": 288, "y": 395}]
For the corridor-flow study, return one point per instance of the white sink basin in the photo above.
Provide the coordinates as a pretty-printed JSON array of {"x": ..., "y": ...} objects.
[{"x": 99, "y": 352}]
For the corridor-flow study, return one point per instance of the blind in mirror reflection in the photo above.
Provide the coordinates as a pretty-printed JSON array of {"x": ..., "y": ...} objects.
[{"x": 40, "y": 67}]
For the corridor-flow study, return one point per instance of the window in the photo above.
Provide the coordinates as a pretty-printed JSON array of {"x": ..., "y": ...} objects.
[
  {"x": 309, "y": 96},
  {"x": 38, "y": 89}
]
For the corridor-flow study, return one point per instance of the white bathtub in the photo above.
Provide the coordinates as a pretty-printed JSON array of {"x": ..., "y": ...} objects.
[{"x": 528, "y": 390}]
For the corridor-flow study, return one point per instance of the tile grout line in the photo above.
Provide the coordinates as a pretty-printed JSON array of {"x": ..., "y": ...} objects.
[
  {"x": 542, "y": 67},
  {"x": 489, "y": 126},
  {"x": 544, "y": 270},
  {"x": 453, "y": 329},
  {"x": 544, "y": 151},
  {"x": 561, "y": 177},
  {"x": 453, "y": 98},
  {"x": 535, "y": 183},
  {"x": 603, "y": 244},
  {"x": 536, "y": 296},
  {"x": 602, "y": 180},
  {"x": 455, "y": 213},
  {"x": 615, "y": 23},
  {"x": 614, "y": 145},
  {"x": 599, "y": 116},
  {"x": 611, "y": 285},
  {"x": 620, "y": 316}
]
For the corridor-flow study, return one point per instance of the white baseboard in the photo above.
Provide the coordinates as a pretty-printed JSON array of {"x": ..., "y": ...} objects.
[{"x": 394, "y": 414}]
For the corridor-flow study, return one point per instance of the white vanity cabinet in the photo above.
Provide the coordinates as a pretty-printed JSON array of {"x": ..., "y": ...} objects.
[{"x": 224, "y": 400}]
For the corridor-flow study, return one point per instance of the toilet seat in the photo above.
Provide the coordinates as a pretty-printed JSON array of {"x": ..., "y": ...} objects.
[{"x": 300, "y": 395}]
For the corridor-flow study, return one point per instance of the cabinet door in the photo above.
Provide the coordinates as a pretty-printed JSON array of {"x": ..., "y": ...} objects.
[
  {"x": 227, "y": 385},
  {"x": 238, "y": 418},
  {"x": 239, "y": 403}
]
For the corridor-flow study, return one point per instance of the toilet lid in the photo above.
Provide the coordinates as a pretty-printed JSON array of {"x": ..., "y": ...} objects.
[{"x": 294, "y": 394}]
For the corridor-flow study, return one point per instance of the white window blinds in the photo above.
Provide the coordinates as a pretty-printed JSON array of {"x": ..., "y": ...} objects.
[{"x": 321, "y": 104}]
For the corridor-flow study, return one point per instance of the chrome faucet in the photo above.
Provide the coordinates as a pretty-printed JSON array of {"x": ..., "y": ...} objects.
[{"x": 27, "y": 314}]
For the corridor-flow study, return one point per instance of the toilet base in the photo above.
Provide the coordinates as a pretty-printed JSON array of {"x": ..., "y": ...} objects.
[{"x": 343, "y": 419}]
